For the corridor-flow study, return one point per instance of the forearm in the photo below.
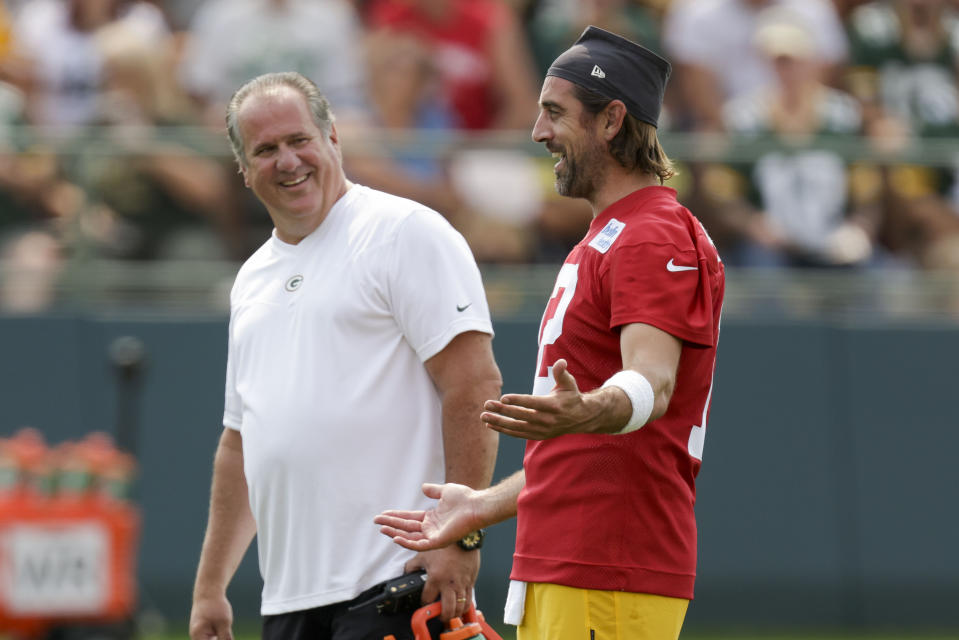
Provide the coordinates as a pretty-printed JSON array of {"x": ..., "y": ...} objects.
[
  {"x": 612, "y": 408},
  {"x": 650, "y": 352},
  {"x": 470, "y": 447},
  {"x": 466, "y": 376},
  {"x": 498, "y": 503},
  {"x": 230, "y": 527}
]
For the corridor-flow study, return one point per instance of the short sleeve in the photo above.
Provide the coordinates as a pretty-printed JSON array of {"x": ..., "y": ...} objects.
[
  {"x": 435, "y": 288},
  {"x": 232, "y": 411},
  {"x": 664, "y": 286}
]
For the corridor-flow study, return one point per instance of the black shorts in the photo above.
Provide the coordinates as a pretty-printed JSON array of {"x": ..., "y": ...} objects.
[{"x": 337, "y": 622}]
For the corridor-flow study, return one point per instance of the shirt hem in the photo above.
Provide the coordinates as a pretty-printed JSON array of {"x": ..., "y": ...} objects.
[
  {"x": 307, "y": 602},
  {"x": 603, "y": 577},
  {"x": 699, "y": 338},
  {"x": 436, "y": 345}
]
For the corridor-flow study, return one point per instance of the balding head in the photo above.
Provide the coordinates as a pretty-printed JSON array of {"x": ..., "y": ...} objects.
[{"x": 272, "y": 82}]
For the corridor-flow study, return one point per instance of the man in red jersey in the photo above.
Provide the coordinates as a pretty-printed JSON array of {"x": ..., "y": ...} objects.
[{"x": 606, "y": 533}]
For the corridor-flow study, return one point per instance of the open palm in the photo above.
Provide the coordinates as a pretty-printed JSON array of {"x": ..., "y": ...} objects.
[{"x": 452, "y": 518}]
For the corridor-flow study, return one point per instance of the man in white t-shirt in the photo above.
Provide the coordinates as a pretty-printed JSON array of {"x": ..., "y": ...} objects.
[{"x": 359, "y": 360}]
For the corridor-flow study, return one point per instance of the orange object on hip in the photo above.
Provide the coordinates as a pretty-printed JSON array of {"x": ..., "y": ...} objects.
[{"x": 472, "y": 626}]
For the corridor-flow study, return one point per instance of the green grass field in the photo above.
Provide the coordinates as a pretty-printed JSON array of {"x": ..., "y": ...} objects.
[{"x": 904, "y": 635}]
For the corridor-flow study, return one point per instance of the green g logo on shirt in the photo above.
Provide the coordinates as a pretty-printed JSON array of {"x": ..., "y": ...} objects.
[{"x": 294, "y": 283}]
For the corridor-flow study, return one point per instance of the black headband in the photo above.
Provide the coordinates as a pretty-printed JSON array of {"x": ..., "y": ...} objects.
[{"x": 618, "y": 69}]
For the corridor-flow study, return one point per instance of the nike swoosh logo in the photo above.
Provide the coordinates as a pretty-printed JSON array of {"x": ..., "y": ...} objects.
[
  {"x": 677, "y": 267},
  {"x": 464, "y": 307}
]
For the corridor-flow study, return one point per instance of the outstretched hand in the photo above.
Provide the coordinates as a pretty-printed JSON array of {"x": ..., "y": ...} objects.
[
  {"x": 564, "y": 410},
  {"x": 452, "y": 518}
]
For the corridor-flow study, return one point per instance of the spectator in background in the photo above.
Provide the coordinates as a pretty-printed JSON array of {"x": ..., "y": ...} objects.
[
  {"x": 232, "y": 41},
  {"x": 58, "y": 38},
  {"x": 406, "y": 94},
  {"x": 393, "y": 153},
  {"x": 481, "y": 55},
  {"x": 37, "y": 205},
  {"x": 477, "y": 74},
  {"x": 60, "y": 66},
  {"x": 157, "y": 197},
  {"x": 793, "y": 205},
  {"x": 845, "y": 7},
  {"x": 553, "y": 25},
  {"x": 905, "y": 64},
  {"x": 711, "y": 44},
  {"x": 13, "y": 68}
]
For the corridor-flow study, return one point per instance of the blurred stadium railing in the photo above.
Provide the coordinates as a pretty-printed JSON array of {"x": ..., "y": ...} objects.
[
  {"x": 202, "y": 287},
  {"x": 519, "y": 291}
]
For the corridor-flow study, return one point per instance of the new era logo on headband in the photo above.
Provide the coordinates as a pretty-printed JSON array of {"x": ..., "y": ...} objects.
[{"x": 617, "y": 69}]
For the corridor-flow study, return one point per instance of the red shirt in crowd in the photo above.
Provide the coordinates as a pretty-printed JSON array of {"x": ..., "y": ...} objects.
[{"x": 460, "y": 43}]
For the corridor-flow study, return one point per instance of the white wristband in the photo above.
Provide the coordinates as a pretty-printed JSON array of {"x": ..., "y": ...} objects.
[{"x": 640, "y": 394}]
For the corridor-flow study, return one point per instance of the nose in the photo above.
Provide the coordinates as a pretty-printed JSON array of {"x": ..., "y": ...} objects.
[
  {"x": 286, "y": 159},
  {"x": 541, "y": 130}
]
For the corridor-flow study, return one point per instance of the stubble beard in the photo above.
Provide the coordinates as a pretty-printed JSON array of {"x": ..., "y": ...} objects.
[{"x": 583, "y": 175}]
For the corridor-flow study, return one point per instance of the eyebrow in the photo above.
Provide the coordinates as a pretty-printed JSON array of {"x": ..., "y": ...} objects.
[
  {"x": 549, "y": 104},
  {"x": 261, "y": 146},
  {"x": 272, "y": 143}
]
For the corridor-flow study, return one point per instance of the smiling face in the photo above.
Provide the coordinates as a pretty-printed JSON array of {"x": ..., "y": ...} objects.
[
  {"x": 289, "y": 163},
  {"x": 571, "y": 136}
]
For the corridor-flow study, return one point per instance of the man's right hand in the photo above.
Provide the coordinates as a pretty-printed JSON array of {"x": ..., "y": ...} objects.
[
  {"x": 453, "y": 517},
  {"x": 211, "y": 618}
]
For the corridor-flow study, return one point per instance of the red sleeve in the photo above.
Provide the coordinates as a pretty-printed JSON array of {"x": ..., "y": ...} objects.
[{"x": 661, "y": 285}]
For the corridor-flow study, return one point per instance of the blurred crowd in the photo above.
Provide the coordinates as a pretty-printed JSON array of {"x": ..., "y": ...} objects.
[{"x": 797, "y": 82}]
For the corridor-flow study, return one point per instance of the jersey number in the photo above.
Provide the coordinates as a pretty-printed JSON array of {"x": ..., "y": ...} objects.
[
  {"x": 551, "y": 329},
  {"x": 697, "y": 435},
  {"x": 552, "y": 326}
]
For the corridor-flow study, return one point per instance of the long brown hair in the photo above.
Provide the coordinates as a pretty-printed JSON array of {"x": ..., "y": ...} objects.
[{"x": 636, "y": 147}]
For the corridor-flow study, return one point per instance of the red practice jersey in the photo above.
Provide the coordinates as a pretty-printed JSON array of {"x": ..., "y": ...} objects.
[{"x": 615, "y": 512}]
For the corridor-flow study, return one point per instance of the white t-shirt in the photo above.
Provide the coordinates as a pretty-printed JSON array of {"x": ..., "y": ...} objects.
[{"x": 325, "y": 381}]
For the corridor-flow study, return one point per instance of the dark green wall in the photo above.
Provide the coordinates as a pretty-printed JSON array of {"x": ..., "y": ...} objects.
[{"x": 827, "y": 496}]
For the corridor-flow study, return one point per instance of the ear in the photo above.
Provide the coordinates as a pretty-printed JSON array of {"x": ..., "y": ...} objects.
[
  {"x": 246, "y": 178},
  {"x": 334, "y": 139},
  {"x": 612, "y": 119}
]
